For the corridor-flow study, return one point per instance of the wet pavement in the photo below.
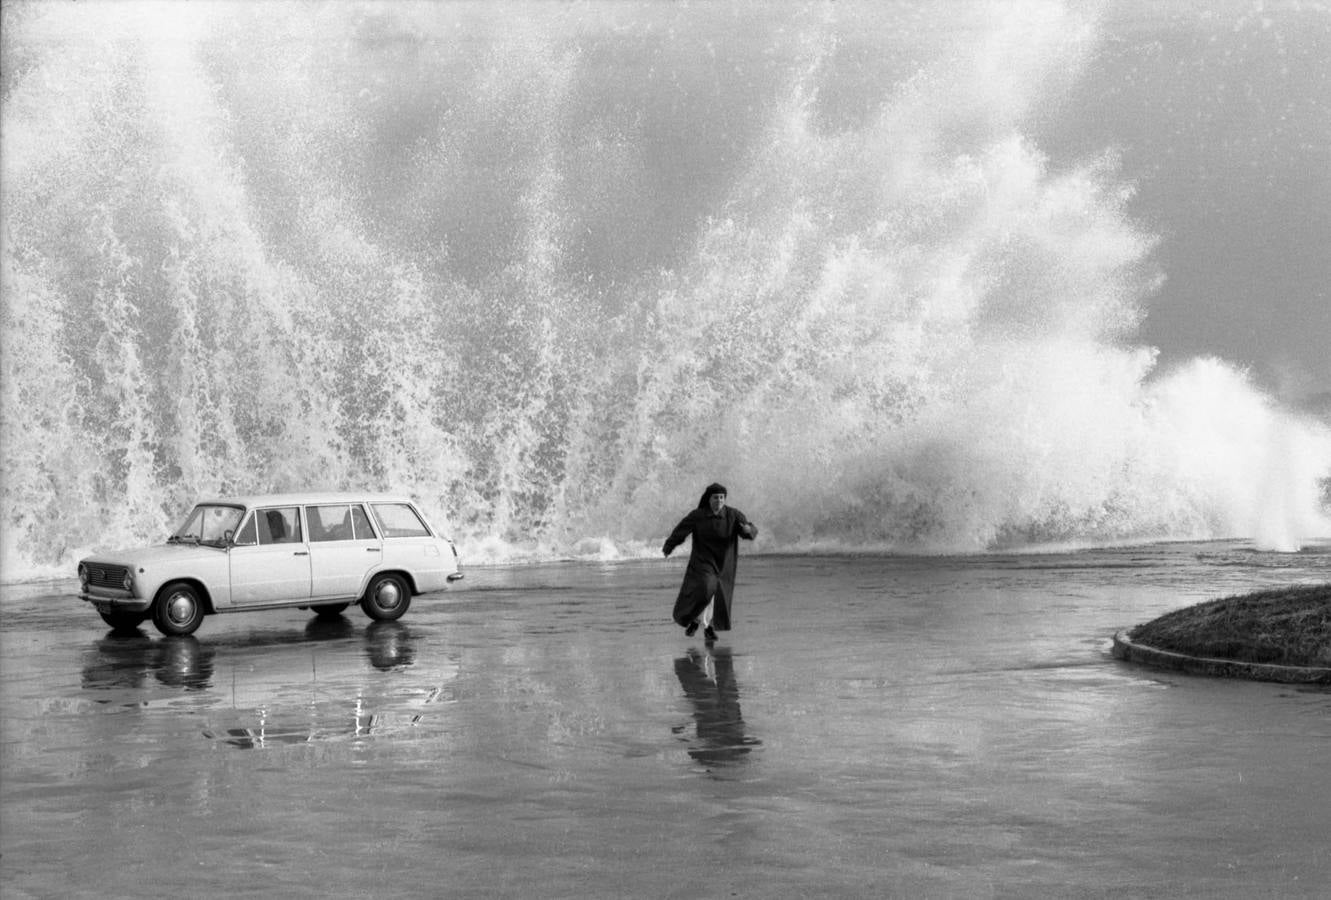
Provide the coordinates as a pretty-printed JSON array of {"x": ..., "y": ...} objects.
[{"x": 873, "y": 727}]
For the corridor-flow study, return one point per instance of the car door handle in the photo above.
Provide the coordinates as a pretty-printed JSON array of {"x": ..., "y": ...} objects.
[
  {"x": 301, "y": 553},
  {"x": 371, "y": 549}
]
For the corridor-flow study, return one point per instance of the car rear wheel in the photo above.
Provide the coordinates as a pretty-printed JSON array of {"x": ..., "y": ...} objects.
[
  {"x": 386, "y": 599},
  {"x": 178, "y": 610},
  {"x": 330, "y": 610},
  {"x": 123, "y": 621}
]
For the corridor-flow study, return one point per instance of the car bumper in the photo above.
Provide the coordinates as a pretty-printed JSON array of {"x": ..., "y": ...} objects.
[{"x": 112, "y": 603}]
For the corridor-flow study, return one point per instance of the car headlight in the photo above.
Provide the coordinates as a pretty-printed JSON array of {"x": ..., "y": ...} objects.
[{"x": 83, "y": 576}]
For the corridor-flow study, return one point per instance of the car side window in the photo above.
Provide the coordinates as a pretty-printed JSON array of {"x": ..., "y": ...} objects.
[
  {"x": 329, "y": 523},
  {"x": 248, "y": 534},
  {"x": 279, "y": 526},
  {"x": 399, "y": 520},
  {"x": 361, "y": 523}
]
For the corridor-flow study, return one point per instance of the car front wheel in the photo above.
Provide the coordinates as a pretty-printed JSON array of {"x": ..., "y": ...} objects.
[
  {"x": 178, "y": 610},
  {"x": 387, "y": 598}
]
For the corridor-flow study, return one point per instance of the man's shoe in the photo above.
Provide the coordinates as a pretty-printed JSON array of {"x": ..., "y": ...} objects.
[
  {"x": 709, "y": 634},
  {"x": 691, "y": 629}
]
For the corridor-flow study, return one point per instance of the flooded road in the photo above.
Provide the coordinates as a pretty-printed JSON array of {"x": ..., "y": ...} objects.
[{"x": 873, "y": 727}]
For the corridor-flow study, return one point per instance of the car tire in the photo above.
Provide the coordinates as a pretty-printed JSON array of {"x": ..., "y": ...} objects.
[
  {"x": 123, "y": 621},
  {"x": 386, "y": 599},
  {"x": 178, "y": 610},
  {"x": 330, "y": 611}
]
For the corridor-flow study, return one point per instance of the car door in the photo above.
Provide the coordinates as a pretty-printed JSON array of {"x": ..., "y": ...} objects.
[
  {"x": 270, "y": 561},
  {"x": 343, "y": 549}
]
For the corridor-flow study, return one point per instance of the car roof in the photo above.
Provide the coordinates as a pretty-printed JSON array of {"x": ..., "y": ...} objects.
[{"x": 312, "y": 497}]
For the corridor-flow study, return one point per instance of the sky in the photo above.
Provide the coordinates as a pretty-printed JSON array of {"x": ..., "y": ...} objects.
[{"x": 1222, "y": 114}]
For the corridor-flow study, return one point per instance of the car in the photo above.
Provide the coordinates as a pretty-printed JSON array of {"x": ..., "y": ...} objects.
[{"x": 320, "y": 551}]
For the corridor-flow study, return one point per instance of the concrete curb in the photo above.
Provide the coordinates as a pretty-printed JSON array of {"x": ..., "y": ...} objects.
[{"x": 1129, "y": 651}]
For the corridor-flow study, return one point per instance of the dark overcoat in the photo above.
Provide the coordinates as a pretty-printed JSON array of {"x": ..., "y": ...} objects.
[{"x": 712, "y": 561}]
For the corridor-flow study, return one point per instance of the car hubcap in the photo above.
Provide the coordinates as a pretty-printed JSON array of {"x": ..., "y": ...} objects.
[
  {"x": 180, "y": 609},
  {"x": 388, "y": 595}
]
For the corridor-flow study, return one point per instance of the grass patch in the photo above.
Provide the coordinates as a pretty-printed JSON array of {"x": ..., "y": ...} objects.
[{"x": 1287, "y": 626}]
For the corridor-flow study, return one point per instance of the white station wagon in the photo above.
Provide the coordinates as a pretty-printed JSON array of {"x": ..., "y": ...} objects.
[{"x": 311, "y": 551}]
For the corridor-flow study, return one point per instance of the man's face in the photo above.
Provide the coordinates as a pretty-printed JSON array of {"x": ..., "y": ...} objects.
[{"x": 716, "y": 501}]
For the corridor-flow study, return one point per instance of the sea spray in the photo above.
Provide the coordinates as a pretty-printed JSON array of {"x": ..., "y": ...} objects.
[{"x": 449, "y": 257}]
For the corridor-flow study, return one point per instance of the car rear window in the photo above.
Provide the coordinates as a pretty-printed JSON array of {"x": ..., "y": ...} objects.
[{"x": 399, "y": 520}]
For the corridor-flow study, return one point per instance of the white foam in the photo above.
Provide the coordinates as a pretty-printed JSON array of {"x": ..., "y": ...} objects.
[{"x": 896, "y": 327}]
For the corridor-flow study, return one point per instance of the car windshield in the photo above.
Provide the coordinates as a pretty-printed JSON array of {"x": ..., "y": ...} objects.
[{"x": 208, "y": 524}]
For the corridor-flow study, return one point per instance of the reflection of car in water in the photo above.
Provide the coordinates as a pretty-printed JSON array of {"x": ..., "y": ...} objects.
[
  {"x": 330, "y": 680},
  {"x": 373, "y": 700},
  {"x": 389, "y": 645},
  {"x": 126, "y": 660},
  {"x": 321, "y": 551}
]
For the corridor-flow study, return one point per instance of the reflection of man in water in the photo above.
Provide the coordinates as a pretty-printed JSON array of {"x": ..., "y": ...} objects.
[{"x": 709, "y": 683}]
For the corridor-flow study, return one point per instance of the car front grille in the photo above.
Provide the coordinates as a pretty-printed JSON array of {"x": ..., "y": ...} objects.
[{"x": 106, "y": 576}]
